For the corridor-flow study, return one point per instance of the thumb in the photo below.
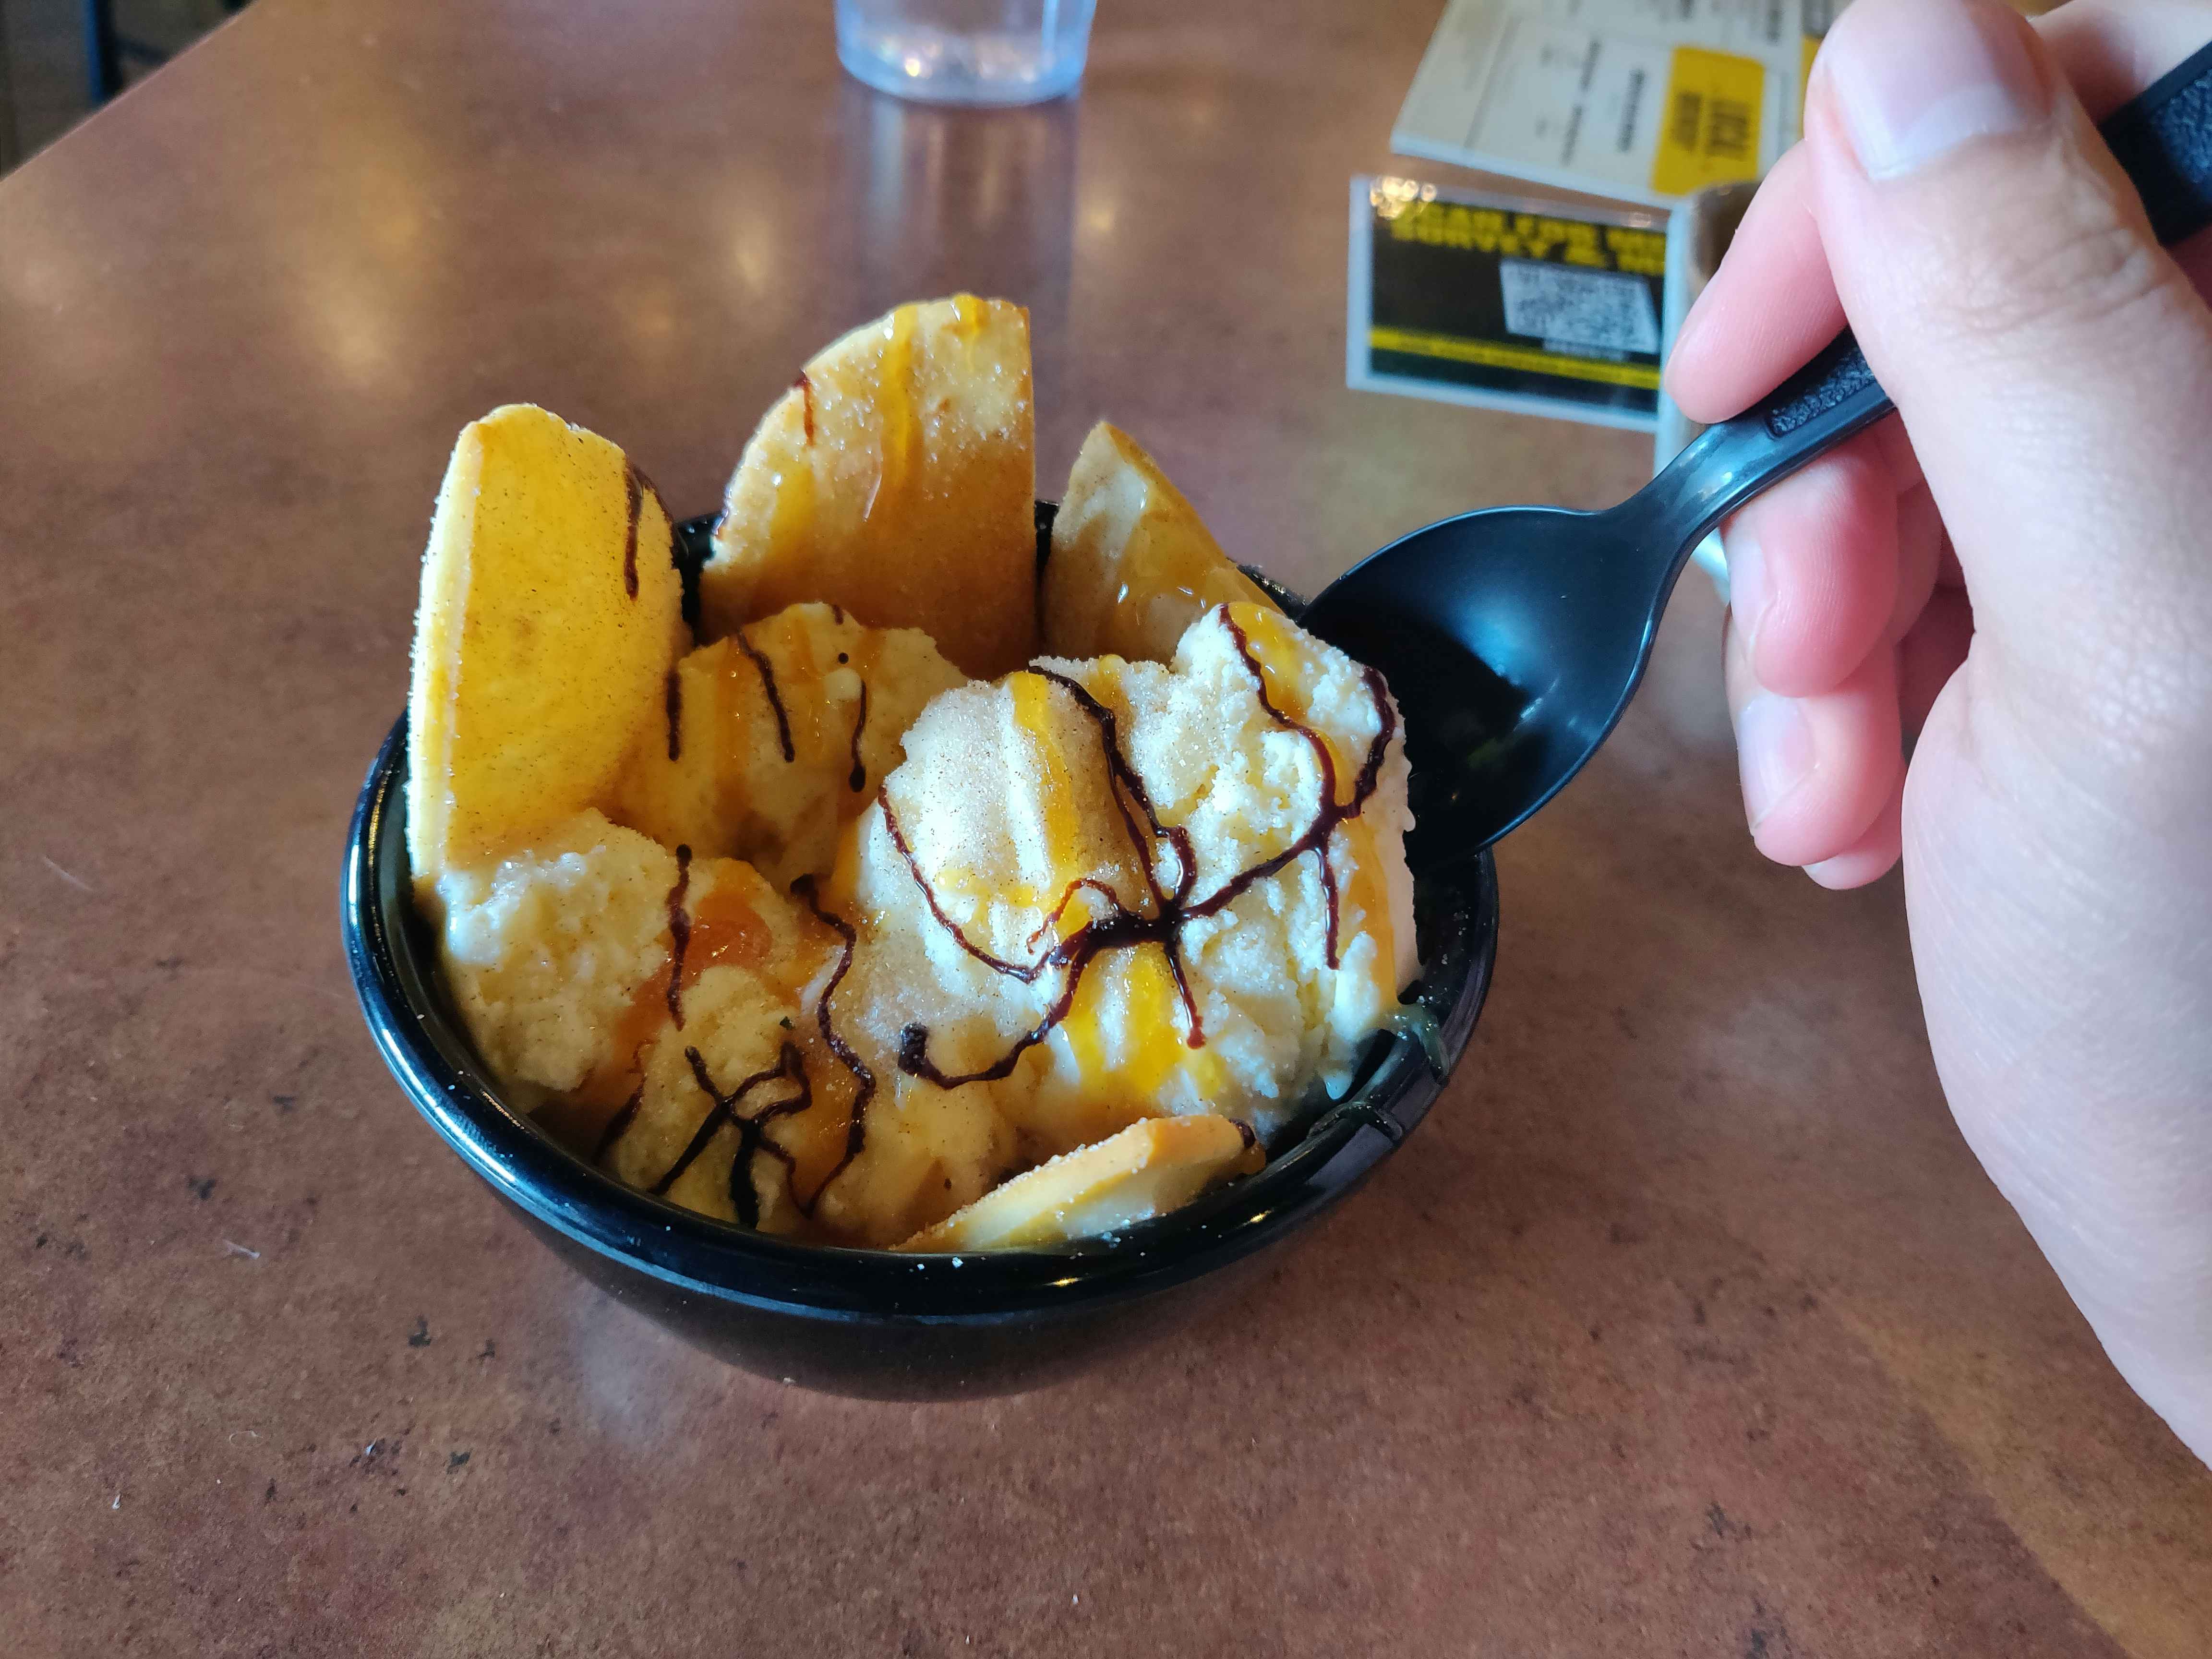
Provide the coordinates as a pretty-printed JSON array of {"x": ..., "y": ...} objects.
[{"x": 2052, "y": 365}]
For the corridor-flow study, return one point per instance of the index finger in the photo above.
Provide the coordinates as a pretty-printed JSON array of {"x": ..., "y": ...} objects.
[{"x": 1769, "y": 307}]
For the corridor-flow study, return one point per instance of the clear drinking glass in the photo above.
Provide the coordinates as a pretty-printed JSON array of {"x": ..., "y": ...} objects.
[{"x": 966, "y": 51}]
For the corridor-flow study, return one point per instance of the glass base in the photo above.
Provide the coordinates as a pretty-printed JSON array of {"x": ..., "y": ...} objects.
[{"x": 937, "y": 66}]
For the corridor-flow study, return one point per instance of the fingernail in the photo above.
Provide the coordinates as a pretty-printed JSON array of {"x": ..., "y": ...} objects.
[
  {"x": 1914, "y": 81},
  {"x": 1774, "y": 752},
  {"x": 1746, "y": 580}
]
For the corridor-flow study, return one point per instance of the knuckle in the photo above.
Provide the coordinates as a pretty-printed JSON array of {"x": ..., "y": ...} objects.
[{"x": 2069, "y": 256}]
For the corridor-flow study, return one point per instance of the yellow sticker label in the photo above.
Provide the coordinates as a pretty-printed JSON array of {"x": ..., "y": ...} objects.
[
  {"x": 1708, "y": 129},
  {"x": 1492, "y": 354}
]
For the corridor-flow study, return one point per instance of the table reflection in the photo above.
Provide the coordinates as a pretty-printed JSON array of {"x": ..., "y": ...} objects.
[{"x": 951, "y": 199}]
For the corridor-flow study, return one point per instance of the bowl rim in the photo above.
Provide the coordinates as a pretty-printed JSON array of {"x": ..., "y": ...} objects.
[{"x": 392, "y": 962}]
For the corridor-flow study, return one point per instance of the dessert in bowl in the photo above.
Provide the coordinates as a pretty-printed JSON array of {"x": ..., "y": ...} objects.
[{"x": 866, "y": 1016}]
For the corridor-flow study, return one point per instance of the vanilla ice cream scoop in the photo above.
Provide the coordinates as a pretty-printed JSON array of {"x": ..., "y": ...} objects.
[
  {"x": 1103, "y": 891},
  {"x": 776, "y": 737}
]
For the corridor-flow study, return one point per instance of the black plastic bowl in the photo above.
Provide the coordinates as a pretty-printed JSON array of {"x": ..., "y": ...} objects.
[{"x": 874, "y": 1323}]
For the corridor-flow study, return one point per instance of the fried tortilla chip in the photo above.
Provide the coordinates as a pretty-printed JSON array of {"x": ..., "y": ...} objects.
[
  {"x": 897, "y": 479},
  {"x": 1133, "y": 565},
  {"x": 1147, "y": 1169},
  {"x": 552, "y": 615}
]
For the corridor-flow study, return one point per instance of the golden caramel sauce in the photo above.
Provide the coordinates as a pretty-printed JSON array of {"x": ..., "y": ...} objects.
[
  {"x": 965, "y": 883},
  {"x": 1063, "y": 829},
  {"x": 791, "y": 521},
  {"x": 1154, "y": 1042},
  {"x": 1084, "y": 1039},
  {"x": 1157, "y": 567},
  {"x": 895, "y": 407},
  {"x": 817, "y": 1143},
  {"x": 724, "y": 730},
  {"x": 840, "y": 891},
  {"x": 726, "y": 929},
  {"x": 1152, "y": 1046},
  {"x": 595, "y": 1100},
  {"x": 800, "y": 676},
  {"x": 1367, "y": 891}
]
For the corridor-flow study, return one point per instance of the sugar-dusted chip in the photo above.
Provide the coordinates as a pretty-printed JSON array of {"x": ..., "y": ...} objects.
[
  {"x": 552, "y": 615},
  {"x": 1147, "y": 1169},
  {"x": 1133, "y": 565},
  {"x": 897, "y": 479},
  {"x": 777, "y": 737}
]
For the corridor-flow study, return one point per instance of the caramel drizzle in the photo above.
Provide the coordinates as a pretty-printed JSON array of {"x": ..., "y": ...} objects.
[
  {"x": 679, "y": 934},
  {"x": 774, "y": 698},
  {"x": 634, "y": 487},
  {"x": 1121, "y": 928},
  {"x": 858, "y": 779},
  {"x": 673, "y": 701}
]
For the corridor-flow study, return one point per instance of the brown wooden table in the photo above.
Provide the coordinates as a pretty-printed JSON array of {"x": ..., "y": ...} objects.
[{"x": 1687, "y": 1324}]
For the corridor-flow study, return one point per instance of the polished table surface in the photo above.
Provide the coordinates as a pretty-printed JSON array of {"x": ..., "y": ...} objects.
[{"x": 1686, "y": 1325}]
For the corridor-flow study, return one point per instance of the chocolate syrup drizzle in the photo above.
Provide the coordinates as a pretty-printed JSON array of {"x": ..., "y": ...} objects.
[
  {"x": 618, "y": 1124},
  {"x": 790, "y": 1064},
  {"x": 749, "y": 1138},
  {"x": 672, "y": 700},
  {"x": 1121, "y": 928},
  {"x": 774, "y": 698},
  {"x": 634, "y": 486},
  {"x": 858, "y": 779},
  {"x": 856, "y": 1127},
  {"x": 679, "y": 934},
  {"x": 1364, "y": 786}
]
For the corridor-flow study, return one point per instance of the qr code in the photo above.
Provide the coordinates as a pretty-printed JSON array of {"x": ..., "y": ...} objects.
[
  {"x": 1562, "y": 305},
  {"x": 1718, "y": 127}
]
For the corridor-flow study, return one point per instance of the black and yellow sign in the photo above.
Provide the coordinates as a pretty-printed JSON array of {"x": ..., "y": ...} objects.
[{"x": 1509, "y": 303}]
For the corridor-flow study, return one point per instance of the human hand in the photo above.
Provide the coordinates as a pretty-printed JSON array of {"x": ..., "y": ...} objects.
[{"x": 2016, "y": 572}]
